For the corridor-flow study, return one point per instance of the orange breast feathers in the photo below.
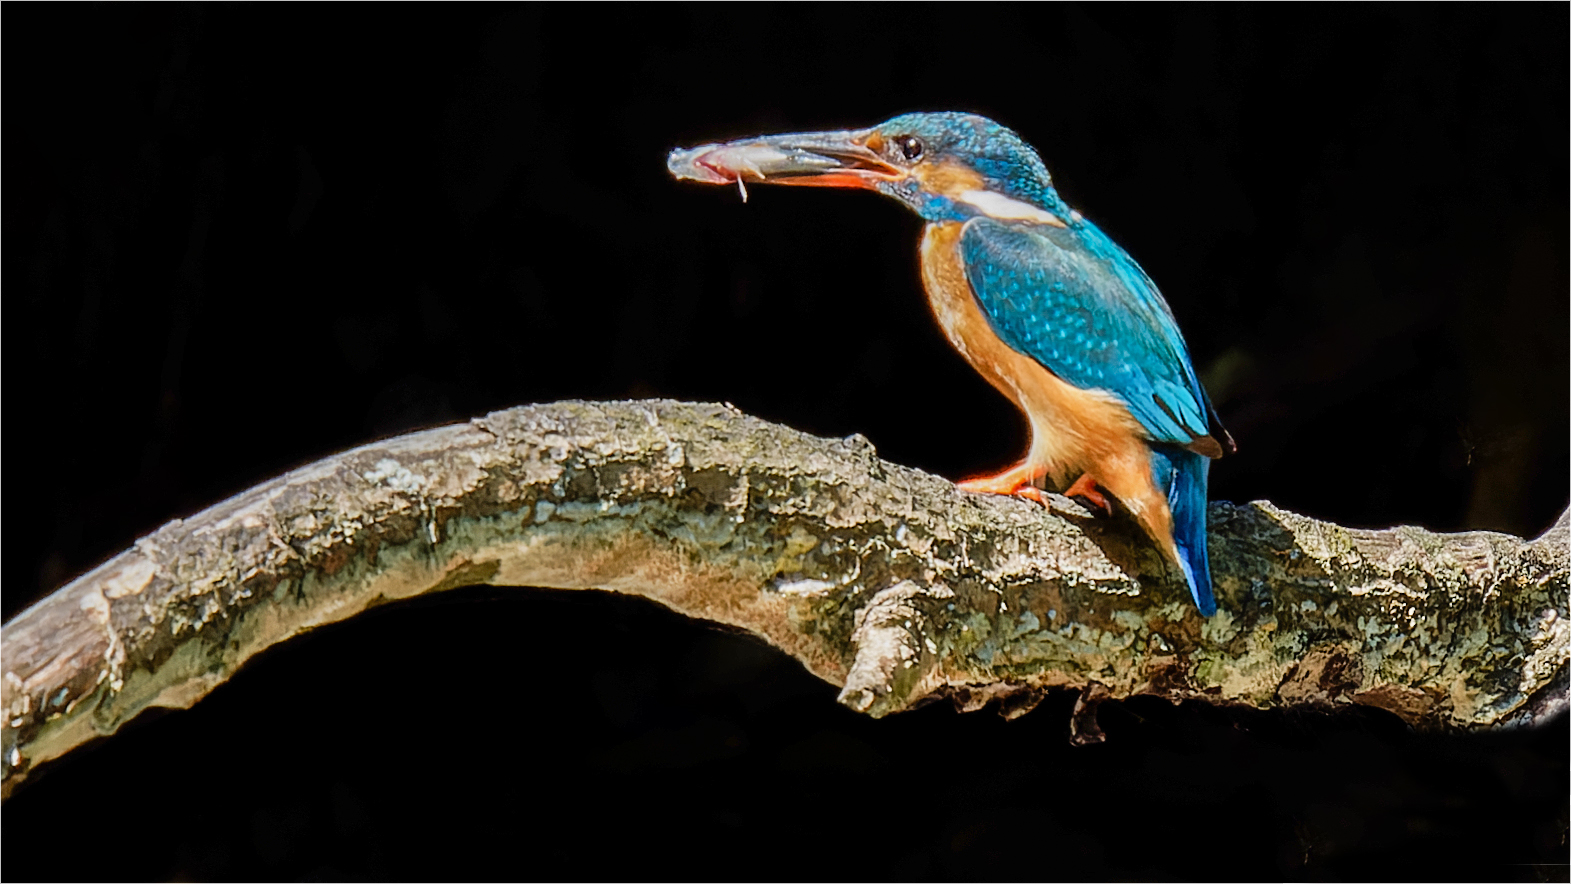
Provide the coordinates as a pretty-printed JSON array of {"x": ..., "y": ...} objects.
[{"x": 1073, "y": 431}]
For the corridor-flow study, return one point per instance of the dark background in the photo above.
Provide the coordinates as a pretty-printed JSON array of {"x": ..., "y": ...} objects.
[{"x": 240, "y": 238}]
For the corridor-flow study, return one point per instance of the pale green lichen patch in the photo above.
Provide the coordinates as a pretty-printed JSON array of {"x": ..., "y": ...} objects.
[{"x": 802, "y": 541}]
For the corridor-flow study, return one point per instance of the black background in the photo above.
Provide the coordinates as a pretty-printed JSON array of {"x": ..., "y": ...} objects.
[{"x": 240, "y": 238}]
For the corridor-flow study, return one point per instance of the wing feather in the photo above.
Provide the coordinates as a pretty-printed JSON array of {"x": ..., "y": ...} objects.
[{"x": 1074, "y": 301}]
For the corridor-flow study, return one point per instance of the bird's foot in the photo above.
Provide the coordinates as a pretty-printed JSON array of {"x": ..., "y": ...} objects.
[
  {"x": 1084, "y": 488},
  {"x": 1017, "y": 481}
]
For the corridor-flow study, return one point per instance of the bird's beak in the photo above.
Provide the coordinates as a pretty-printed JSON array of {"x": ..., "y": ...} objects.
[{"x": 814, "y": 159}]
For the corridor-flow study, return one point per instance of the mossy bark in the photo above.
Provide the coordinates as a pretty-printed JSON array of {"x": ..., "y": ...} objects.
[{"x": 882, "y": 579}]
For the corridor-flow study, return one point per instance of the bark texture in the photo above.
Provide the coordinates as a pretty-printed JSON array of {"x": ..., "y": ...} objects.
[{"x": 882, "y": 579}]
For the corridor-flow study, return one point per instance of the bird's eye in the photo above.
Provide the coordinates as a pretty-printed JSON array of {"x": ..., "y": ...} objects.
[{"x": 912, "y": 147}]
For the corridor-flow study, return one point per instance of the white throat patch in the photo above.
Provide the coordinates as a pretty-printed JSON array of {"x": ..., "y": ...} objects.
[{"x": 996, "y": 205}]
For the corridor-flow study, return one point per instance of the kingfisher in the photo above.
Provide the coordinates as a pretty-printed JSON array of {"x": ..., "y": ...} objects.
[{"x": 1035, "y": 297}]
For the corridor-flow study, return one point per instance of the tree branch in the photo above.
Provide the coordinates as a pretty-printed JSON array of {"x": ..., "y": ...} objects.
[{"x": 877, "y": 577}]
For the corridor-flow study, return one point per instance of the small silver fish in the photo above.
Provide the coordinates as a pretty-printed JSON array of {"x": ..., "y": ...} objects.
[{"x": 739, "y": 160}]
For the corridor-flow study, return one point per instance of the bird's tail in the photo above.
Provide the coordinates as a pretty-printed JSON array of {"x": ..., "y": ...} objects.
[{"x": 1181, "y": 474}]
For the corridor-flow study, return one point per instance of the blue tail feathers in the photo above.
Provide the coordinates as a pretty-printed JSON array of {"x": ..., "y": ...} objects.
[{"x": 1182, "y": 475}]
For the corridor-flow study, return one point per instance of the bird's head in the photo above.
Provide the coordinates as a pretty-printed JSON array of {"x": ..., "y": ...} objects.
[{"x": 945, "y": 166}]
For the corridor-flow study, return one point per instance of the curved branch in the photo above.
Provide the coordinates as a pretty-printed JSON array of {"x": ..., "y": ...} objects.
[{"x": 877, "y": 577}]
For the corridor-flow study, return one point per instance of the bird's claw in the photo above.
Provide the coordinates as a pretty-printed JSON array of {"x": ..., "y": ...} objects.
[
  {"x": 1015, "y": 482},
  {"x": 1084, "y": 489}
]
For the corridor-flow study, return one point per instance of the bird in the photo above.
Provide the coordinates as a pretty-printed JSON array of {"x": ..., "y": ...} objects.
[{"x": 1037, "y": 299}]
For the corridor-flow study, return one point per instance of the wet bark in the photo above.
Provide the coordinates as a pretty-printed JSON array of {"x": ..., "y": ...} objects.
[{"x": 882, "y": 579}]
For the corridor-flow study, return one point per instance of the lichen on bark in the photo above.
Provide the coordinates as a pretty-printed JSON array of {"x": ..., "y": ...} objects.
[{"x": 885, "y": 580}]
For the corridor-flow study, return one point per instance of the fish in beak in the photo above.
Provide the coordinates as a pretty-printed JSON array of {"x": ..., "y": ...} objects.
[{"x": 810, "y": 159}]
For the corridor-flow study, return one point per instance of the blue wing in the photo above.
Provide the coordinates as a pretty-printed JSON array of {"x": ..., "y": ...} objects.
[{"x": 1071, "y": 299}]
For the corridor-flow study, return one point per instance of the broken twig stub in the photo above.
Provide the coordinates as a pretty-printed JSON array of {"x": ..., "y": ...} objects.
[{"x": 885, "y": 580}]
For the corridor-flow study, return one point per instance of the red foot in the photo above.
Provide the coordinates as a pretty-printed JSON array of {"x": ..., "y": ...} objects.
[
  {"x": 1017, "y": 481},
  {"x": 1085, "y": 489}
]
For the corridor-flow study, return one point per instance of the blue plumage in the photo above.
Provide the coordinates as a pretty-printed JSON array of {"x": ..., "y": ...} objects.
[
  {"x": 1049, "y": 286},
  {"x": 1006, "y": 162},
  {"x": 1075, "y": 302},
  {"x": 1181, "y": 475}
]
